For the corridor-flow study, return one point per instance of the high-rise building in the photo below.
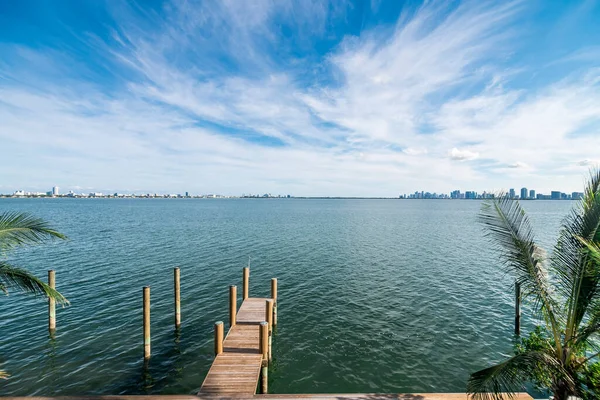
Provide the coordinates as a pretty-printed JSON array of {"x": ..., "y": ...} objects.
[
  {"x": 577, "y": 195},
  {"x": 511, "y": 193},
  {"x": 523, "y": 193},
  {"x": 532, "y": 194},
  {"x": 55, "y": 191},
  {"x": 555, "y": 195}
]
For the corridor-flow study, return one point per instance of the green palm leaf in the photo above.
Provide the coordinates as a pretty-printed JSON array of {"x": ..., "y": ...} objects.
[
  {"x": 13, "y": 277},
  {"x": 510, "y": 232},
  {"x": 18, "y": 229},
  {"x": 511, "y": 375},
  {"x": 577, "y": 272}
]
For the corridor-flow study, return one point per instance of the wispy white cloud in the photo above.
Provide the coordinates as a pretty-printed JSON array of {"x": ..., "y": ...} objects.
[
  {"x": 209, "y": 99},
  {"x": 414, "y": 151},
  {"x": 518, "y": 164},
  {"x": 462, "y": 155},
  {"x": 588, "y": 163}
]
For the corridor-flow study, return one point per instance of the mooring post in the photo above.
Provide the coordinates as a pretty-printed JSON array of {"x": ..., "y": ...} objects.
[
  {"x": 218, "y": 337},
  {"x": 517, "y": 308},
  {"x": 51, "y": 303},
  {"x": 245, "y": 283},
  {"x": 269, "y": 318},
  {"x": 264, "y": 350},
  {"x": 176, "y": 283},
  {"x": 146, "y": 295},
  {"x": 274, "y": 297},
  {"x": 232, "y": 305}
]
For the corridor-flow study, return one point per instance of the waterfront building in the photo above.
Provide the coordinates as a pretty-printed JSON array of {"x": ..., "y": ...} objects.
[
  {"x": 523, "y": 193},
  {"x": 470, "y": 195},
  {"x": 55, "y": 191},
  {"x": 532, "y": 194},
  {"x": 511, "y": 193},
  {"x": 577, "y": 195}
]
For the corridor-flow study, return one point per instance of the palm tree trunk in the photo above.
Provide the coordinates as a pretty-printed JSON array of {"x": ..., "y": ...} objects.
[{"x": 560, "y": 390}]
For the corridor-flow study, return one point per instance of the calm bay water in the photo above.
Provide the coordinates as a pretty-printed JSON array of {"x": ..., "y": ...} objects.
[{"x": 375, "y": 295}]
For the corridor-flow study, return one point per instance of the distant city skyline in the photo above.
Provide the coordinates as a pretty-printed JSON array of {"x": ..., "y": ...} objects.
[
  {"x": 525, "y": 193},
  {"x": 315, "y": 98}
]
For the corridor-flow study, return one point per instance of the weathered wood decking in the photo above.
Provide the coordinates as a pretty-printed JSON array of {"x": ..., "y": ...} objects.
[
  {"x": 362, "y": 396},
  {"x": 237, "y": 369}
]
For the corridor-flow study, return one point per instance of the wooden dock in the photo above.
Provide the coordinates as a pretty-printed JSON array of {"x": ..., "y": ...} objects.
[
  {"x": 241, "y": 359},
  {"x": 325, "y": 396}
]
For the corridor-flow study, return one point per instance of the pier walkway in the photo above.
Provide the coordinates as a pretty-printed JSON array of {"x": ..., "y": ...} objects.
[{"x": 241, "y": 359}]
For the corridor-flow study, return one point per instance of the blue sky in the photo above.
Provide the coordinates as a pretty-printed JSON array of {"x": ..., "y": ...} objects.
[{"x": 362, "y": 98}]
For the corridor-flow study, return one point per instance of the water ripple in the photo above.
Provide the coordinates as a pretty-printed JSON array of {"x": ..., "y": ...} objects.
[{"x": 375, "y": 296}]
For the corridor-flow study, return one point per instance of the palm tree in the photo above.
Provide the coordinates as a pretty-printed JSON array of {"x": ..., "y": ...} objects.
[
  {"x": 564, "y": 288},
  {"x": 21, "y": 229}
]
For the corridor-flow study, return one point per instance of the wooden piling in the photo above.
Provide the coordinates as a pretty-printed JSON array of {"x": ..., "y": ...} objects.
[
  {"x": 264, "y": 350},
  {"x": 274, "y": 297},
  {"x": 51, "y": 303},
  {"x": 245, "y": 283},
  {"x": 269, "y": 318},
  {"x": 218, "y": 338},
  {"x": 517, "y": 308},
  {"x": 176, "y": 284},
  {"x": 146, "y": 296},
  {"x": 269, "y": 313},
  {"x": 232, "y": 305},
  {"x": 264, "y": 379}
]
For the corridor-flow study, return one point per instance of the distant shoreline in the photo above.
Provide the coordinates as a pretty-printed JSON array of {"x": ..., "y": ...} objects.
[{"x": 166, "y": 197}]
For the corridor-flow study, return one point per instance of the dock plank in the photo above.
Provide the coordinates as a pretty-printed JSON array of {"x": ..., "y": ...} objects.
[{"x": 252, "y": 311}]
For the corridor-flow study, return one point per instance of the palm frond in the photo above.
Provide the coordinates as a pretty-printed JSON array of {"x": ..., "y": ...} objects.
[
  {"x": 511, "y": 375},
  {"x": 17, "y": 229},
  {"x": 592, "y": 323},
  {"x": 511, "y": 234},
  {"x": 593, "y": 184},
  {"x": 13, "y": 277},
  {"x": 578, "y": 274},
  {"x": 592, "y": 247},
  {"x": 587, "y": 330}
]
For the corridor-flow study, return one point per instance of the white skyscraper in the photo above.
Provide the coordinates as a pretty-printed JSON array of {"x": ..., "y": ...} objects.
[{"x": 55, "y": 191}]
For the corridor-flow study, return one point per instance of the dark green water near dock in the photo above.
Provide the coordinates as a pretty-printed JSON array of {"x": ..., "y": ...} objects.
[{"x": 375, "y": 295}]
